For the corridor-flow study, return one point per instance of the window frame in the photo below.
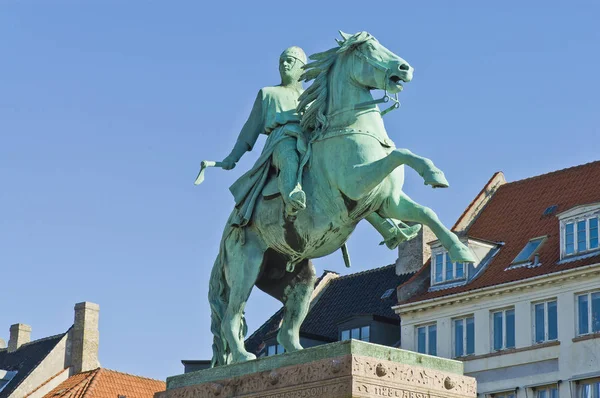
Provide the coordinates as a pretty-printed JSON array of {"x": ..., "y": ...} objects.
[
  {"x": 277, "y": 349},
  {"x": 503, "y": 311},
  {"x": 445, "y": 260},
  {"x": 546, "y": 320},
  {"x": 426, "y": 326},
  {"x": 542, "y": 239},
  {"x": 590, "y": 322},
  {"x": 581, "y": 383},
  {"x": 574, "y": 216},
  {"x": 463, "y": 319},
  {"x": 505, "y": 394},
  {"x": 546, "y": 388}
]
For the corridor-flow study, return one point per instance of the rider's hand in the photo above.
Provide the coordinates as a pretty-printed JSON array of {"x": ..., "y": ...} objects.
[{"x": 228, "y": 163}]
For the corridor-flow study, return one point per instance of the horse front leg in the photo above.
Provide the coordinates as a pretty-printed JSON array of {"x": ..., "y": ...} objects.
[
  {"x": 363, "y": 178},
  {"x": 402, "y": 207}
]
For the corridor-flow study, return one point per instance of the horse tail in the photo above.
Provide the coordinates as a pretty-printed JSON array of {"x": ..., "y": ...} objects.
[{"x": 218, "y": 297}]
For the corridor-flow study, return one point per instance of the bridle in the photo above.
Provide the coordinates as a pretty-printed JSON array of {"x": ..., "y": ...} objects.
[{"x": 386, "y": 98}]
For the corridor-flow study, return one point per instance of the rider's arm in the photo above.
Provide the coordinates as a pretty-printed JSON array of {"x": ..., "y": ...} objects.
[{"x": 250, "y": 132}]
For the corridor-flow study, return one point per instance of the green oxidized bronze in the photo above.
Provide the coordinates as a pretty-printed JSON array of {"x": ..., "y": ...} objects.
[{"x": 327, "y": 164}]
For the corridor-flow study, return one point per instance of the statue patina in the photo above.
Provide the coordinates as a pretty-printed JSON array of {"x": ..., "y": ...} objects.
[{"x": 328, "y": 156}]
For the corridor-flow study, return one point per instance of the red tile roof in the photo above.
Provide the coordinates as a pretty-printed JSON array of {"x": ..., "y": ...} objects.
[
  {"x": 514, "y": 215},
  {"x": 104, "y": 383}
]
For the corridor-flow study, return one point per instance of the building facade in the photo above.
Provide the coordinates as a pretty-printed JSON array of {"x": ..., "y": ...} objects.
[{"x": 525, "y": 319}]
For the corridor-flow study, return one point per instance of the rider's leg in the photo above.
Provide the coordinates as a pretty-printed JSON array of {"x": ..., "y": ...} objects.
[
  {"x": 363, "y": 178},
  {"x": 287, "y": 160},
  {"x": 402, "y": 207},
  {"x": 392, "y": 234}
]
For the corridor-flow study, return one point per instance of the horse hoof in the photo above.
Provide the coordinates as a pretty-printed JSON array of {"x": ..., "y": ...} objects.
[
  {"x": 435, "y": 177},
  {"x": 461, "y": 254},
  {"x": 243, "y": 357}
]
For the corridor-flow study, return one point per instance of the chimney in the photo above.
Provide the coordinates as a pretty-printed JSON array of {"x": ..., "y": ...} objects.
[
  {"x": 19, "y": 335},
  {"x": 413, "y": 254},
  {"x": 85, "y": 335}
]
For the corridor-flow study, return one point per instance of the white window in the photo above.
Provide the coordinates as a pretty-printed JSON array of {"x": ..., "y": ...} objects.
[
  {"x": 362, "y": 333},
  {"x": 443, "y": 270},
  {"x": 427, "y": 339},
  {"x": 503, "y": 323},
  {"x": 546, "y": 392},
  {"x": 579, "y": 230},
  {"x": 545, "y": 321},
  {"x": 588, "y": 389},
  {"x": 275, "y": 349},
  {"x": 464, "y": 336},
  {"x": 588, "y": 313}
]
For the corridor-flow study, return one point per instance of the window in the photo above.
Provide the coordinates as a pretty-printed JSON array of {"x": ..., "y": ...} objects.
[
  {"x": 427, "y": 339},
  {"x": 464, "y": 337},
  {"x": 545, "y": 327},
  {"x": 444, "y": 270},
  {"x": 505, "y": 395},
  {"x": 588, "y": 313},
  {"x": 530, "y": 248},
  {"x": 588, "y": 389},
  {"x": 546, "y": 392},
  {"x": 580, "y": 235},
  {"x": 504, "y": 329},
  {"x": 275, "y": 349},
  {"x": 362, "y": 333}
]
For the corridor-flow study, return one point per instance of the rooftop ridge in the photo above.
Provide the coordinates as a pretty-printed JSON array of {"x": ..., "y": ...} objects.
[
  {"x": 90, "y": 381},
  {"x": 42, "y": 339},
  {"x": 361, "y": 273},
  {"x": 551, "y": 173},
  {"x": 129, "y": 374}
]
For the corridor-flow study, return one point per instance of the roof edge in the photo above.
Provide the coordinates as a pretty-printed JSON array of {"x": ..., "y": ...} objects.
[
  {"x": 476, "y": 206},
  {"x": 425, "y": 304}
]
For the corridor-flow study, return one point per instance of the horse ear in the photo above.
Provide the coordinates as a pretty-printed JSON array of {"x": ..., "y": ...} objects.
[{"x": 345, "y": 36}]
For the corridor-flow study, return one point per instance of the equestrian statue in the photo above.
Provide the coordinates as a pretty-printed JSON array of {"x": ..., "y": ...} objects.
[{"x": 327, "y": 164}]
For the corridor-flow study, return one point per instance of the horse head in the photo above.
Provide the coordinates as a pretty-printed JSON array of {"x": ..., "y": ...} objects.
[
  {"x": 373, "y": 65},
  {"x": 344, "y": 76}
]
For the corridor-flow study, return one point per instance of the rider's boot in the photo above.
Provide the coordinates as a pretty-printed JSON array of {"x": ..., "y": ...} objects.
[
  {"x": 392, "y": 234},
  {"x": 291, "y": 191}
]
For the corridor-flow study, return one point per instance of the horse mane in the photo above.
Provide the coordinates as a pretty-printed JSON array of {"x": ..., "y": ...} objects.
[{"x": 312, "y": 106}]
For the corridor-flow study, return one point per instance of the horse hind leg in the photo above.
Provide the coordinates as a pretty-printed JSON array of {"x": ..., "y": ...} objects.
[
  {"x": 243, "y": 267},
  {"x": 296, "y": 301},
  {"x": 402, "y": 207}
]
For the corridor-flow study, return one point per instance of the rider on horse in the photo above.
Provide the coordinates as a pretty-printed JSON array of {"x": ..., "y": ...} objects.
[{"x": 274, "y": 114}]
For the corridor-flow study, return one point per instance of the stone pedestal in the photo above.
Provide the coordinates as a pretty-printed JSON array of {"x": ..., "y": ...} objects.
[{"x": 337, "y": 370}]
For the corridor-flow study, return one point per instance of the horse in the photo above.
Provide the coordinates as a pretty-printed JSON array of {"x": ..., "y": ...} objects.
[{"x": 353, "y": 170}]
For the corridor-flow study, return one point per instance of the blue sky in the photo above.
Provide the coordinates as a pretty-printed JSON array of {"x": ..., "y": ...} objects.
[{"x": 108, "y": 107}]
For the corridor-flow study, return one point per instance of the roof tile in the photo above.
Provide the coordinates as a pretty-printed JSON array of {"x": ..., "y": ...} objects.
[
  {"x": 105, "y": 383},
  {"x": 514, "y": 215}
]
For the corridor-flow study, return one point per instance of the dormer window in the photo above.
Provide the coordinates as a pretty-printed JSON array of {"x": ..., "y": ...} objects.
[
  {"x": 360, "y": 333},
  {"x": 444, "y": 270},
  {"x": 445, "y": 273},
  {"x": 579, "y": 230}
]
